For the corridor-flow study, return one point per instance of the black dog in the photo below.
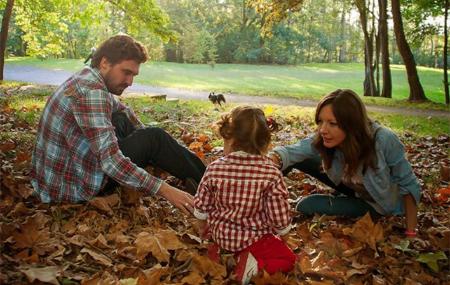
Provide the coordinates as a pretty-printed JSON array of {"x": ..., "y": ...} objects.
[{"x": 216, "y": 98}]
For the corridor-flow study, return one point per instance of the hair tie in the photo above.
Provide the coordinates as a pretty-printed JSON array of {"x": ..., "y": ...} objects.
[{"x": 272, "y": 124}]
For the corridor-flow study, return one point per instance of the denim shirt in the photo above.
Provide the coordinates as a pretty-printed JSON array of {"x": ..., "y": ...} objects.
[{"x": 392, "y": 178}]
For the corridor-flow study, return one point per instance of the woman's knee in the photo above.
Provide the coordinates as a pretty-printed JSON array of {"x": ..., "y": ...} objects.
[{"x": 309, "y": 205}]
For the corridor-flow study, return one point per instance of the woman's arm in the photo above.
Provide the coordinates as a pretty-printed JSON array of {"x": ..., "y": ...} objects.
[
  {"x": 297, "y": 152},
  {"x": 410, "y": 213},
  {"x": 402, "y": 174}
]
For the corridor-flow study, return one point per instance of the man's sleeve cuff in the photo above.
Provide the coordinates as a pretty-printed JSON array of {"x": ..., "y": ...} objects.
[{"x": 156, "y": 186}]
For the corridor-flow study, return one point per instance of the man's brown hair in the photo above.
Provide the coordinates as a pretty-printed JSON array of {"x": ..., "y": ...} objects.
[
  {"x": 358, "y": 146},
  {"x": 119, "y": 48}
]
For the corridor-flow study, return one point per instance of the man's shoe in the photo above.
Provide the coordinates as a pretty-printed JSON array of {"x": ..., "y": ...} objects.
[
  {"x": 190, "y": 186},
  {"x": 246, "y": 268}
]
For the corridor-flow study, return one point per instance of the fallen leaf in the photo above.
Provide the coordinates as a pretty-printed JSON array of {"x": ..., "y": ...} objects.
[
  {"x": 147, "y": 243},
  {"x": 431, "y": 259},
  {"x": 193, "y": 278},
  {"x": 47, "y": 274},
  {"x": 152, "y": 275},
  {"x": 105, "y": 203},
  {"x": 364, "y": 230},
  {"x": 103, "y": 259}
]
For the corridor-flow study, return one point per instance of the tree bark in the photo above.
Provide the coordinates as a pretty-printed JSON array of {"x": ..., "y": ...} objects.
[
  {"x": 369, "y": 80},
  {"x": 4, "y": 34},
  {"x": 416, "y": 93},
  {"x": 343, "y": 47},
  {"x": 447, "y": 99},
  {"x": 384, "y": 48}
]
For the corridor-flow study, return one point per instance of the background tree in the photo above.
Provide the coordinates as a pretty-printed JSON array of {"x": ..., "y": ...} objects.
[
  {"x": 446, "y": 87},
  {"x": 4, "y": 33},
  {"x": 416, "y": 92},
  {"x": 370, "y": 89},
  {"x": 384, "y": 49}
]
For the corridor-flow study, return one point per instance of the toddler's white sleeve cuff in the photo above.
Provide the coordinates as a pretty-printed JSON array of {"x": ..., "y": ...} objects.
[{"x": 199, "y": 215}]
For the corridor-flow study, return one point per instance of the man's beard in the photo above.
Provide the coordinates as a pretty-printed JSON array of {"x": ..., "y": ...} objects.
[{"x": 114, "y": 88}]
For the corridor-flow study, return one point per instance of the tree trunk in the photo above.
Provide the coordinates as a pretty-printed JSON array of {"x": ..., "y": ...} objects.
[
  {"x": 447, "y": 99},
  {"x": 342, "y": 49},
  {"x": 416, "y": 93},
  {"x": 369, "y": 80},
  {"x": 384, "y": 48},
  {"x": 244, "y": 15},
  {"x": 4, "y": 34}
]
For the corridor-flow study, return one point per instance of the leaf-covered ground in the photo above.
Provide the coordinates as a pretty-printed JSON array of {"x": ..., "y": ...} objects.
[{"x": 129, "y": 239}]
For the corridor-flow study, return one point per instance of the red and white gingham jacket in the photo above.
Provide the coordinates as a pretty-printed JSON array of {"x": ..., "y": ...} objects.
[{"x": 243, "y": 197}]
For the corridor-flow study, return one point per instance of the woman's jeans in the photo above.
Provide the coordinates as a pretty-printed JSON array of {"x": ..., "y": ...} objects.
[
  {"x": 333, "y": 205},
  {"x": 153, "y": 146}
]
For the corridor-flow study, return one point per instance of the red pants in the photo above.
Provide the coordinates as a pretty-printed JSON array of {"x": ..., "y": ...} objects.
[{"x": 272, "y": 254}]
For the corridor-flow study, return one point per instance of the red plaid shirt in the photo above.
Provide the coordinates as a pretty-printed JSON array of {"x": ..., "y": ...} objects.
[
  {"x": 243, "y": 197},
  {"x": 76, "y": 145}
]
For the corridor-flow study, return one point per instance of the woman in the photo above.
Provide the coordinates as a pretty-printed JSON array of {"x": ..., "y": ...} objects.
[{"x": 360, "y": 158}]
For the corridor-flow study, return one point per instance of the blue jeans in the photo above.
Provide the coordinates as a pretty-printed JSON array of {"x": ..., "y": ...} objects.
[
  {"x": 344, "y": 204},
  {"x": 153, "y": 146}
]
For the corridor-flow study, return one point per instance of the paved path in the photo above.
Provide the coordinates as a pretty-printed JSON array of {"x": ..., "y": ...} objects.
[{"x": 58, "y": 76}]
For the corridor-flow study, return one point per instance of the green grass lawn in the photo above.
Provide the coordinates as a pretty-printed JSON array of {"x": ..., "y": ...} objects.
[
  {"x": 309, "y": 81},
  {"x": 201, "y": 114}
]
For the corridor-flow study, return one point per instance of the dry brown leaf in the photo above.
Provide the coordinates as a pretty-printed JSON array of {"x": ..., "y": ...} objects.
[
  {"x": 77, "y": 240},
  {"x": 105, "y": 203},
  {"x": 47, "y": 274},
  {"x": 104, "y": 279},
  {"x": 364, "y": 230},
  {"x": 319, "y": 261},
  {"x": 169, "y": 239},
  {"x": 32, "y": 234},
  {"x": 131, "y": 196},
  {"x": 152, "y": 275},
  {"x": 99, "y": 242},
  {"x": 274, "y": 279},
  {"x": 25, "y": 257},
  {"x": 193, "y": 278},
  {"x": 204, "y": 265},
  {"x": 304, "y": 262},
  {"x": 147, "y": 243},
  {"x": 103, "y": 259}
]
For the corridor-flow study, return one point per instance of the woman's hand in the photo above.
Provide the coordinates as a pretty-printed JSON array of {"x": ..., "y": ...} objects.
[
  {"x": 276, "y": 159},
  {"x": 180, "y": 199}
]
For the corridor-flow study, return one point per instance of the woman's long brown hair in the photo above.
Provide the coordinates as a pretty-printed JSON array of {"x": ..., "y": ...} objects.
[{"x": 358, "y": 146}]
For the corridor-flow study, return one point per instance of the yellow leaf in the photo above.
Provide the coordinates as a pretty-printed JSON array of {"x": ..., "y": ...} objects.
[
  {"x": 268, "y": 110},
  {"x": 128, "y": 281}
]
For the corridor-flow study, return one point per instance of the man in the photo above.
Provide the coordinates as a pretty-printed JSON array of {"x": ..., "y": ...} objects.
[{"x": 88, "y": 141}]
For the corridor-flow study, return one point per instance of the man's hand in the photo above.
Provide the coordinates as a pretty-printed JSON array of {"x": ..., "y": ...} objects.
[{"x": 180, "y": 199}]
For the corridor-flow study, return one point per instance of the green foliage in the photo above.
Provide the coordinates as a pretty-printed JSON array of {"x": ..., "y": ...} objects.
[
  {"x": 59, "y": 28},
  {"x": 226, "y": 31},
  {"x": 431, "y": 259}
]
